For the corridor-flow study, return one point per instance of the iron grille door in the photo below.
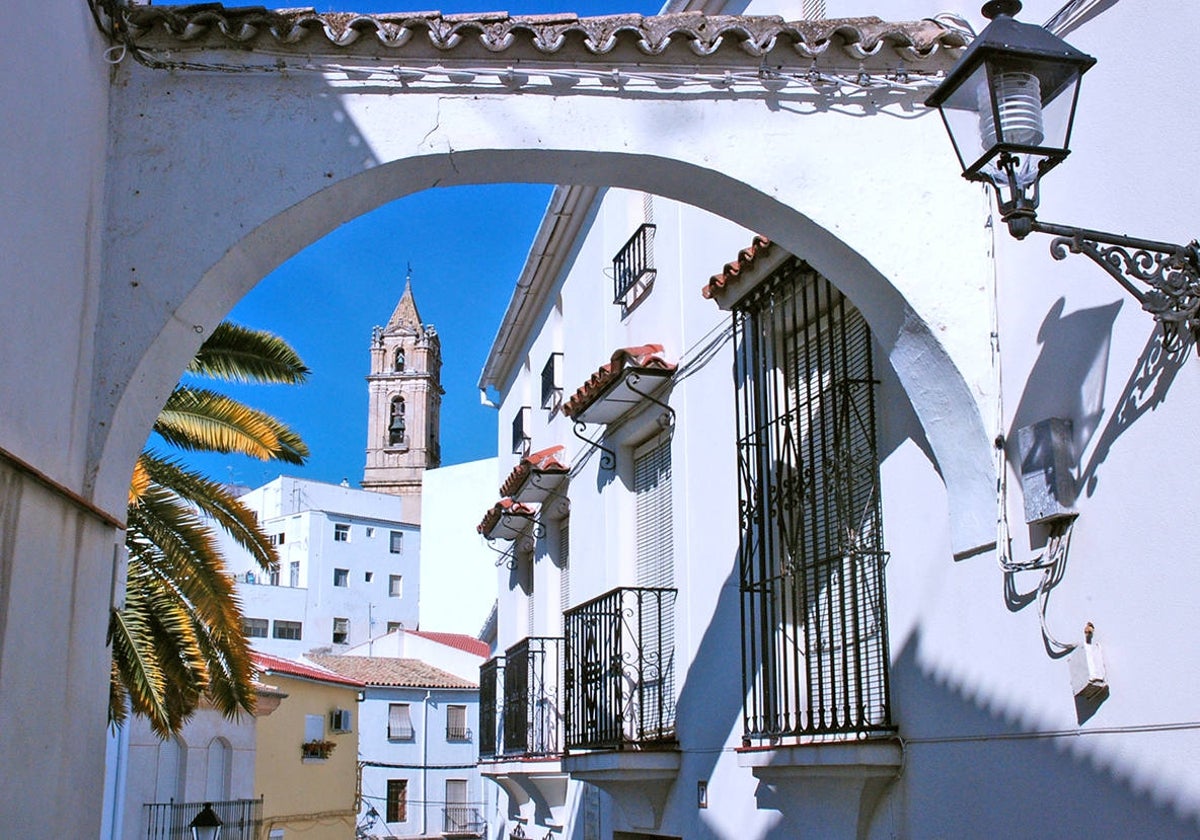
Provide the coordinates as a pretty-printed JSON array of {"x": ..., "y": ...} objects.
[{"x": 814, "y": 623}]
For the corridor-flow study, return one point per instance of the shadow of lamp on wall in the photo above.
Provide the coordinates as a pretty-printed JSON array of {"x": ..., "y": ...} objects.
[{"x": 1009, "y": 105}]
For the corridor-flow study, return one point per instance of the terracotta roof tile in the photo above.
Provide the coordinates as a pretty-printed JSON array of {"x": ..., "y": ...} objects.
[
  {"x": 505, "y": 506},
  {"x": 267, "y": 664},
  {"x": 390, "y": 671},
  {"x": 458, "y": 641},
  {"x": 430, "y": 33},
  {"x": 733, "y": 270},
  {"x": 643, "y": 357},
  {"x": 542, "y": 461}
]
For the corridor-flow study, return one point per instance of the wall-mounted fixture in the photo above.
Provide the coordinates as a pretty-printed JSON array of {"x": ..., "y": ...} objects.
[
  {"x": 206, "y": 825},
  {"x": 1088, "y": 679},
  {"x": 1009, "y": 105}
]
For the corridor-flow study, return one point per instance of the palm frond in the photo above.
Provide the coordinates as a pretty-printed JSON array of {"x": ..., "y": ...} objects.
[
  {"x": 241, "y": 354},
  {"x": 215, "y": 502},
  {"x": 197, "y": 419}
]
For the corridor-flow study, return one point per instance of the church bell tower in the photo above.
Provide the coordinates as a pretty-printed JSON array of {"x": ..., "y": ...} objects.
[{"x": 405, "y": 403}]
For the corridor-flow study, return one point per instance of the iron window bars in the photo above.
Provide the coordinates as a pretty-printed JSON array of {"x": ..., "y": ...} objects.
[
  {"x": 532, "y": 706},
  {"x": 491, "y": 677},
  {"x": 814, "y": 622},
  {"x": 633, "y": 267},
  {"x": 241, "y": 819},
  {"x": 552, "y": 387},
  {"x": 520, "y": 430},
  {"x": 619, "y": 670}
]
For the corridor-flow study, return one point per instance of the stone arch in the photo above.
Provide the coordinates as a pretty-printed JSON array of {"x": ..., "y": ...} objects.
[{"x": 856, "y": 258}]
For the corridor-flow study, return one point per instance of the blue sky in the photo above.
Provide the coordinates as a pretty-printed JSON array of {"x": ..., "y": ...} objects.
[{"x": 466, "y": 246}]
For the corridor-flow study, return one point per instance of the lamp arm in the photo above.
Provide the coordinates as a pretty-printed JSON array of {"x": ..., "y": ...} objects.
[{"x": 1170, "y": 272}]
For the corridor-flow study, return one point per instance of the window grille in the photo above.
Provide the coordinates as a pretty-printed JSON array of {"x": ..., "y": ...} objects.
[
  {"x": 531, "y": 697},
  {"x": 814, "y": 625},
  {"x": 552, "y": 387},
  {"x": 491, "y": 678},
  {"x": 633, "y": 268},
  {"x": 520, "y": 431},
  {"x": 614, "y": 650}
]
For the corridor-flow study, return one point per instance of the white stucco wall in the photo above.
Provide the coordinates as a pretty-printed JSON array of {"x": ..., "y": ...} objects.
[{"x": 457, "y": 589}]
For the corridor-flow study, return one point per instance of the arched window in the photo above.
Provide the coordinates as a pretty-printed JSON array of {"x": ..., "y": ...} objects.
[
  {"x": 396, "y": 422},
  {"x": 398, "y": 360},
  {"x": 217, "y": 783},
  {"x": 172, "y": 761}
]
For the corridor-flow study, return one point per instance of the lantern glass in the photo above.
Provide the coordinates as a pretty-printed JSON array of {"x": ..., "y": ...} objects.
[{"x": 206, "y": 825}]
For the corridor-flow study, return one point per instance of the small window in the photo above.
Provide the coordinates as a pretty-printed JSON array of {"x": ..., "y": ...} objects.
[
  {"x": 287, "y": 630},
  {"x": 521, "y": 431},
  {"x": 395, "y": 586},
  {"x": 370, "y": 532},
  {"x": 456, "y": 723},
  {"x": 368, "y": 576},
  {"x": 339, "y": 721},
  {"x": 341, "y": 532},
  {"x": 294, "y": 574},
  {"x": 396, "y": 546},
  {"x": 552, "y": 387},
  {"x": 255, "y": 628},
  {"x": 341, "y": 631},
  {"x": 393, "y": 626},
  {"x": 397, "y": 800},
  {"x": 400, "y": 726},
  {"x": 341, "y": 577}
]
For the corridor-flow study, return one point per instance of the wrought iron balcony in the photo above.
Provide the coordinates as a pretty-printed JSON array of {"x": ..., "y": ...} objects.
[
  {"x": 491, "y": 681},
  {"x": 241, "y": 819},
  {"x": 463, "y": 821},
  {"x": 619, "y": 673},
  {"x": 532, "y": 702},
  {"x": 633, "y": 267}
]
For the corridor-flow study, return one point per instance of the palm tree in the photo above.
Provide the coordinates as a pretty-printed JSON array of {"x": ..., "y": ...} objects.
[{"x": 179, "y": 635}]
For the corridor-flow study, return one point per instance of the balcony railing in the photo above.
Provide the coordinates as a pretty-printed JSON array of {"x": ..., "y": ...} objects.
[
  {"x": 532, "y": 703},
  {"x": 491, "y": 681},
  {"x": 463, "y": 821},
  {"x": 241, "y": 819},
  {"x": 619, "y": 674},
  {"x": 633, "y": 267}
]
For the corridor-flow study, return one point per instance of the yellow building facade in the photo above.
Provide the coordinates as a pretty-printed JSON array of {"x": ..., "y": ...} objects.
[{"x": 307, "y": 753}]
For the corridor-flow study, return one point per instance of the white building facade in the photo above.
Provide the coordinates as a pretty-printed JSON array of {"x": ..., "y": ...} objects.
[
  {"x": 349, "y": 568},
  {"x": 418, "y": 738}
]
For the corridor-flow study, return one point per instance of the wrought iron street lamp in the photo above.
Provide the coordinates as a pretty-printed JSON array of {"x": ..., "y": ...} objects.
[
  {"x": 1009, "y": 106},
  {"x": 206, "y": 825}
]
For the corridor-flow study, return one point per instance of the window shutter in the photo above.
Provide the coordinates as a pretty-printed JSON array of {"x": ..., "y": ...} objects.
[
  {"x": 564, "y": 564},
  {"x": 655, "y": 538},
  {"x": 399, "y": 722},
  {"x": 314, "y": 728}
]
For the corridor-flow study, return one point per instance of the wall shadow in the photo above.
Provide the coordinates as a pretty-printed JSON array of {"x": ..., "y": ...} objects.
[{"x": 971, "y": 772}]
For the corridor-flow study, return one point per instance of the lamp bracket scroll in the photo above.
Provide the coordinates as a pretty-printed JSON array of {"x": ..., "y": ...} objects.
[{"x": 1170, "y": 273}]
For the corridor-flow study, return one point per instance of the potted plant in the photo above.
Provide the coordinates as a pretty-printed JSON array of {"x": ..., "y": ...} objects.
[{"x": 316, "y": 749}]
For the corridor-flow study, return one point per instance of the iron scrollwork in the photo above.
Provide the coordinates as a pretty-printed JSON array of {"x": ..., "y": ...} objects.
[
  {"x": 608, "y": 458},
  {"x": 667, "y": 421},
  {"x": 1171, "y": 272}
]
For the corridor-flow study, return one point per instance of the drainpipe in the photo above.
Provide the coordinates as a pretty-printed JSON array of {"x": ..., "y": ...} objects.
[{"x": 425, "y": 765}]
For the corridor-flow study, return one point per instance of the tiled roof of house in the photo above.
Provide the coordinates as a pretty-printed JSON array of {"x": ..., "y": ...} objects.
[
  {"x": 390, "y": 671},
  {"x": 643, "y": 357},
  {"x": 458, "y": 641},
  {"x": 544, "y": 460},
  {"x": 267, "y": 664},
  {"x": 733, "y": 270},
  {"x": 504, "y": 506},
  {"x": 422, "y": 33}
]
